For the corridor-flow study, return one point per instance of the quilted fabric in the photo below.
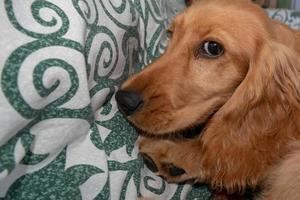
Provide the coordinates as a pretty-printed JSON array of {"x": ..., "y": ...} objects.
[
  {"x": 289, "y": 17},
  {"x": 61, "y": 135}
]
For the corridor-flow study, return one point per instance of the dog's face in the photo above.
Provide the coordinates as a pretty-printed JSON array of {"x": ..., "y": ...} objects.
[
  {"x": 208, "y": 56},
  {"x": 230, "y": 69}
]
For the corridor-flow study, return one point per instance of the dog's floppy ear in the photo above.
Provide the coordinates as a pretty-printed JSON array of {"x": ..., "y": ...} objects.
[
  {"x": 250, "y": 130},
  {"x": 265, "y": 105},
  {"x": 272, "y": 84}
]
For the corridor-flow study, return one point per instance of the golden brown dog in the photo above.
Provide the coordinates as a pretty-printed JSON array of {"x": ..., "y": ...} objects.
[{"x": 233, "y": 75}]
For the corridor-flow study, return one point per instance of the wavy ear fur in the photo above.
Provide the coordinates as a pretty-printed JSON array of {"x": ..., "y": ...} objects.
[
  {"x": 251, "y": 131},
  {"x": 273, "y": 80}
]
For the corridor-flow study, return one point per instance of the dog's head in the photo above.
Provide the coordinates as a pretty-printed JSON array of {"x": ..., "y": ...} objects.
[{"x": 215, "y": 46}]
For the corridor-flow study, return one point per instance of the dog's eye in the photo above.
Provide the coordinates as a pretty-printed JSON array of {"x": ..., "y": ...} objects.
[{"x": 211, "y": 49}]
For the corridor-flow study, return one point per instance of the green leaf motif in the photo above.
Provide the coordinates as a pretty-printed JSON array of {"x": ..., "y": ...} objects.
[
  {"x": 133, "y": 169},
  {"x": 30, "y": 158},
  {"x": 122, "y": 133},
  {"x": 115, "y": 39},
  {"x": 177, "y": 194},
  {"x": 199, "y": 192},
  {"x": 52, "y": 182},
  {"x": 105, "y": 193},
  {"x": 157, "y": 191},
  {"x": 7, "y": 157}
]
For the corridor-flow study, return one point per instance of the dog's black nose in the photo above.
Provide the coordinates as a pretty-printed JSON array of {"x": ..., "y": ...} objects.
[{"x": 128, "y": 101}]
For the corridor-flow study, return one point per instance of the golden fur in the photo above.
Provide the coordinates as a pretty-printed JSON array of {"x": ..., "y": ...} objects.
[{"x": 254, "y": 88}]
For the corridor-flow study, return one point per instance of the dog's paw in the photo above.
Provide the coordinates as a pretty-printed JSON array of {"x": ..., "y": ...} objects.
[
  {"x": 174, "y": 161},
  {"x": 169, "y": 168}
]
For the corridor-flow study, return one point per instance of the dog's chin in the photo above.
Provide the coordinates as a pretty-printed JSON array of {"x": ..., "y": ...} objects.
[{"x": 188, "y": 132}]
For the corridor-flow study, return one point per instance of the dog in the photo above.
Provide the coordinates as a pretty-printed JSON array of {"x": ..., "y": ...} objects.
[{"x": 222, "y": 105}]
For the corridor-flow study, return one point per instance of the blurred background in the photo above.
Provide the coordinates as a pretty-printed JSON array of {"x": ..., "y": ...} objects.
[{"x": 290, "y": 4}]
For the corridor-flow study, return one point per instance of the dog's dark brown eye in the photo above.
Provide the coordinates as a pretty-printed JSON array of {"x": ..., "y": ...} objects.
[{"x": 211, "y": 49}]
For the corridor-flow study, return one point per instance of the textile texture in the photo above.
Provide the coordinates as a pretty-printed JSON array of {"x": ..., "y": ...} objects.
[{"x": 61, "y": 62}]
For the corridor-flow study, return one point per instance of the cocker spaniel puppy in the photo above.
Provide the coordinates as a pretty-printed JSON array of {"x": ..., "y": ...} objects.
[{"x": 222, "y": 104}]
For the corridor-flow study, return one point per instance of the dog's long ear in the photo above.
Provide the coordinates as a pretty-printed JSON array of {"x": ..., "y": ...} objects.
[
  {"x": 251, "y": 129},
  {"x": 249, "y": 132},
  {"x": 271, "y": 86}
]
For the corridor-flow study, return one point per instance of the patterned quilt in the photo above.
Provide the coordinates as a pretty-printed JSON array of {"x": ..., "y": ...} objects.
[{"x": 61, "y": 62}]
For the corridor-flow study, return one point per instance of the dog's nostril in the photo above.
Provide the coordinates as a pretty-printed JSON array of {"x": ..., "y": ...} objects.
[
  {"x": 128, "y": 101},
  {"x": 175, "y": 171},
  {"x": 149, "y": 162}
]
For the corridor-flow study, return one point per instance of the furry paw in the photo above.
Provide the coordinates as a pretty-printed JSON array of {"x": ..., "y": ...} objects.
[{"x": 171, "y": 160}]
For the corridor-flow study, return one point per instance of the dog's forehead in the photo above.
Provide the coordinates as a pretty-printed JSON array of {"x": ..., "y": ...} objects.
[
  {"x": 236, "y": 26},
  {"x": 229, "y": 17}
]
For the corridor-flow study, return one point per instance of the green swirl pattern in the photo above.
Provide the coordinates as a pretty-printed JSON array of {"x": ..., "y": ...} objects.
[{"x": 62, "y": 136}]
